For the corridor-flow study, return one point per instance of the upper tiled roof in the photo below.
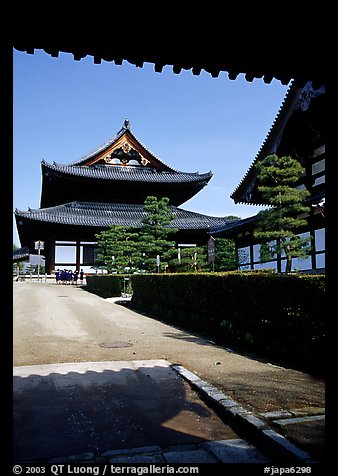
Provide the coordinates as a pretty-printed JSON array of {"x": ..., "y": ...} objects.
[
  {"x": 127, "y": 173},
  {"x": 106, "y": 214},
  {"x": 122, "y": 170}
]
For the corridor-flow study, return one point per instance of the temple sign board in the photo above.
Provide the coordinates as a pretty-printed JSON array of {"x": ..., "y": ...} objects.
[
  {"x": 39, "y": 245},
  {"x": 211, "y": 250}
]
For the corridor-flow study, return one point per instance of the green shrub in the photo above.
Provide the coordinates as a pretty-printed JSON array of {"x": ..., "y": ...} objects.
[
  {"x": 276, "y": 315},
  {"x": 105, "y": 285}
]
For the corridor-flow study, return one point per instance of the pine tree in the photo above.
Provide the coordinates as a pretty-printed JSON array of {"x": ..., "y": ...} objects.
[
  {"x": 153, "y": 239},
  {"x": 124, "y": 248},
  {"x": 191, "y": 259},
  {"x": 277, "y": 179},
  {"x": 225, "y": 254},
  {"x": 117, "y": 248}
]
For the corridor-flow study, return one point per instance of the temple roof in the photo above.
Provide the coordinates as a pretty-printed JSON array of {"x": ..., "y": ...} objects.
[
  {"x": 105, "y": 214},
  {"x": 122, "y": 170}
]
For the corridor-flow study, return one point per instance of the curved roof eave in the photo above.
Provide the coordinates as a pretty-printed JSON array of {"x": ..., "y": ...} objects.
[
  {"x": 106, "y": 214},
  {"x": 126, "y": 174}
]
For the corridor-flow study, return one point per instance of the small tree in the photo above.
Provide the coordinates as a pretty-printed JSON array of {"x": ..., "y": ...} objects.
[
  {"x": 277, "y": 179},
  {"x": 225, "y": 254},
  {"x": 192, "y": 258},
  {"x": 117, "y": 248},
  {"x": 153, "y": 238},
  {"x": 122, "y": 247},
  {"x": 18, "y": 265}
]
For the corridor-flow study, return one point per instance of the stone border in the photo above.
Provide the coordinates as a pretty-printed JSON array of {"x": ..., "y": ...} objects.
[
  {"x": 221, "y": 451},
  {"x": 244, "y": 421}
]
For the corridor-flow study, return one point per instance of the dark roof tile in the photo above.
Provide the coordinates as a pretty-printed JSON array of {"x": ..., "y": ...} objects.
[
  {"x": 128, "y": 173},
  {"x": 21, "y": 254},
  {"x": 106, "y": 214}
]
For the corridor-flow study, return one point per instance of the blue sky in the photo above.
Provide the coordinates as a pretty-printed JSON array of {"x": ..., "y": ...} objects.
[{"x": 64, "y": 109}]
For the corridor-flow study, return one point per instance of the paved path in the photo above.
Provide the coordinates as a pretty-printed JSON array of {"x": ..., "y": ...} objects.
[
  {"x": 135, "y": 411},
  {"x": 64, "y": 324}
]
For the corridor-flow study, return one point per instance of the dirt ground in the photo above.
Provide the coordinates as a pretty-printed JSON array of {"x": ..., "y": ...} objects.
[{"x": 59, "y": 324}]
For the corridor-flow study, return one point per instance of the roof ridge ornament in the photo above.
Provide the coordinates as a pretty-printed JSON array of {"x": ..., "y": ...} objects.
[{"x": 127, "y": 124}]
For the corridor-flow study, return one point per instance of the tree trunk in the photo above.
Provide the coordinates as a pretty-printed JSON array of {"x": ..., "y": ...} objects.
[{"x": 288, "y": 264}]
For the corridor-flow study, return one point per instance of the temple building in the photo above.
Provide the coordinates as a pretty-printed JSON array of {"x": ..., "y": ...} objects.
[
  {"x": 298, "y": 131},
  {"x": 108, "y": 187}
]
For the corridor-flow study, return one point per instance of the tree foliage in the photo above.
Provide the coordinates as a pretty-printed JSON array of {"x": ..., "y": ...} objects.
[
  {"x": 154, "y": 234},
  {"x": 277, "y": 179},
  {"x": 117, "y": 248},
  {"x": 125, "y": 248},
  {"x": 190, "y": 259},
  {"x": 225, "y": 254}
]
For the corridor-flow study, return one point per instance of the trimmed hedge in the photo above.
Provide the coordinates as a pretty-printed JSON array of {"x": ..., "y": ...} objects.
[
  {"x": 278, "y": 316},
  {"x": 105, "y": 285}
]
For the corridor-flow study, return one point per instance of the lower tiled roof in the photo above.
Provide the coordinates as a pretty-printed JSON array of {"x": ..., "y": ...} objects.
[
  {"x": 106, "y": 214},
  {"x": 235, "y": 225},
  {"x": 21, "y": 254}
]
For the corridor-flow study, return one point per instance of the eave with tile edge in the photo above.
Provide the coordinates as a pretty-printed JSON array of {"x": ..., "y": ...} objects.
[
  {"x": 252, "y": 57},
  {"x": 106, "y": 214}
]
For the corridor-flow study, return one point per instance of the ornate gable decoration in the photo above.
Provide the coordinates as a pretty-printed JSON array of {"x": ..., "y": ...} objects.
[
  {"x": 125, "y": 154},
  {"x": 307, "y": 94},
  {"x": 124, "y": 149}
]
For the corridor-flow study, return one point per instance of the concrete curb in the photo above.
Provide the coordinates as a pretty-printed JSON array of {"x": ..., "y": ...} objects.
[{"x": 243, "y": 421}]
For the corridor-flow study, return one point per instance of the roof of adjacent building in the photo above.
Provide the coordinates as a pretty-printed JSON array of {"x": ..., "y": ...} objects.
[
  {"x": 235, "y": 226},
  {"x": 316, "y": 200},
  {"x": 105, "y": 214},
  {"x": 280, "y": 57},
  {"x": 296, "y": 98}
]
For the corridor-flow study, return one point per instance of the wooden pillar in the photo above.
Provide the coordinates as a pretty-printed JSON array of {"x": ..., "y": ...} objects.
[
  {"x": 50, "y": 256},
  {"x": 313, "y": 249},
  {"x": 251, "y": 254},
  {"x": 78, "y": 255}
]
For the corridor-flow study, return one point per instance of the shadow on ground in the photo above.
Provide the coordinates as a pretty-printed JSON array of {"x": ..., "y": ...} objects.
[{"x": 75, "y": 410}]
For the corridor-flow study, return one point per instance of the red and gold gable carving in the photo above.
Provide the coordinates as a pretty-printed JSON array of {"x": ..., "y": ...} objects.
[{"x": 125, "y": 151}]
